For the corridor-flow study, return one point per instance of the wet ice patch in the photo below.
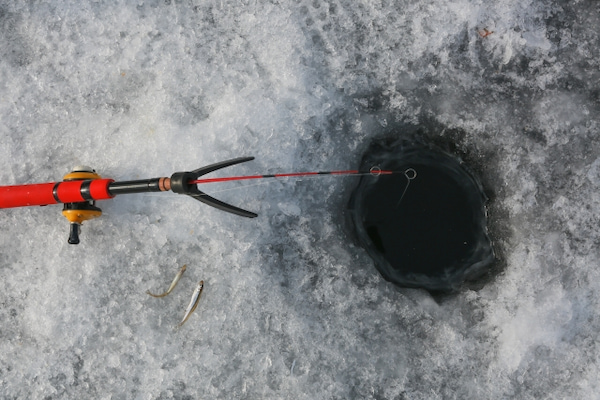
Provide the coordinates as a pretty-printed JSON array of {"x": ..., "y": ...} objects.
[
  {"x": 593, "y": 173},
  {"x": 541, "y": 319},
  {"x": 288, "y": 209}
]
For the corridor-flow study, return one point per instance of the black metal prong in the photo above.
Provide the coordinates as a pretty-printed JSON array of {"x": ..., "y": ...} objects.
[
  {"x": 180, "y": 184},
  {"x": 211, "y": 201},
  {"x": 223, "y": 164}
]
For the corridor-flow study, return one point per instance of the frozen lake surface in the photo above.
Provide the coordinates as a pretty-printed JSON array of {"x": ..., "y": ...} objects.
[{"x": 292, "y": 308}]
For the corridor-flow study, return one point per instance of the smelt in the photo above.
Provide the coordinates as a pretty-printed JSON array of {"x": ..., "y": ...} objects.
[
  {"x": 173, "y": 284},
  {"x": 193, "y": 303}
]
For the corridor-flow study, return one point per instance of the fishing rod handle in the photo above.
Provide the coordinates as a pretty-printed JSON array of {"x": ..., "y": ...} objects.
[{"x": 42, "y": 194}]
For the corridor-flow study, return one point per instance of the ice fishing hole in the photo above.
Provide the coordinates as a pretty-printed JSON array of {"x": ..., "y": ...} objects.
[{"x": 425, "y": 225}]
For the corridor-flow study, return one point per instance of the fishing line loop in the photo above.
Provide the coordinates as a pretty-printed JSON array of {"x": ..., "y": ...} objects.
[{"x": 410, "y": 174}]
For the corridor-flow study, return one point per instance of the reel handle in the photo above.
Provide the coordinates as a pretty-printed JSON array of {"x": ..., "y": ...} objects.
[{"x": 74, "y": 233}]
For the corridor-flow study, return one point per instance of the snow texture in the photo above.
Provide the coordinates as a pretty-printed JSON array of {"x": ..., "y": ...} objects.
[{"x": 292, "y": 308}]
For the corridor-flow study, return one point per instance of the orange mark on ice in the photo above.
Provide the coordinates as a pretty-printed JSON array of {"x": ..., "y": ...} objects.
[{"x": 484, "y": 32}]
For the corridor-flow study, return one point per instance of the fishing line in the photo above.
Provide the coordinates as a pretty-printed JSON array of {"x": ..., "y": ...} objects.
[
  {"x": 410, "y": 174},
  {"x": 375, "y": 171}
]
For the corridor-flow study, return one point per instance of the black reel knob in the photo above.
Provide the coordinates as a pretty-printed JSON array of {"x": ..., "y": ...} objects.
[{"x": 74, "y": 233}]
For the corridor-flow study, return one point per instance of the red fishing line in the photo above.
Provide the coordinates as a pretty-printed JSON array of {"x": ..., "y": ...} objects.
[{"x": 373, "y": 171}]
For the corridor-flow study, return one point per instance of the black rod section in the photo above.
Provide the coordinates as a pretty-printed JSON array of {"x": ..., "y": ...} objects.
[{"x": 141, "y": 186}]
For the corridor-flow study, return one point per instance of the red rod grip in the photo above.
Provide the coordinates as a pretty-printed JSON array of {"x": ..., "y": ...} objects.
[
  {"x": 39, "y": 194},
  {"x": 99, "y": 189},
  {"x": 69, "y": 192},
  {"x": 42, "y": 194}
]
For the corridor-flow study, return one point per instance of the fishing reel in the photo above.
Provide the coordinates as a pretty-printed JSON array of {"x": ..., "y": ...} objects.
[{"x": 78, "y": 212}]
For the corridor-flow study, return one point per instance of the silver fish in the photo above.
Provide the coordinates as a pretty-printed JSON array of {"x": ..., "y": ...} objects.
[
  {"x": 173, "y": 284},
  {"x": 193, "y": 303}
]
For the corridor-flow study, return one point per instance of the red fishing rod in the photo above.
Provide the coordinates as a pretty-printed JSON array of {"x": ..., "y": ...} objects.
[{"x": 81, "y": 188}]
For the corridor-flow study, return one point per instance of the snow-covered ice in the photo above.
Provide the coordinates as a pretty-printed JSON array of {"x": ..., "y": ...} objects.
[{"x": 292, "y": 308}]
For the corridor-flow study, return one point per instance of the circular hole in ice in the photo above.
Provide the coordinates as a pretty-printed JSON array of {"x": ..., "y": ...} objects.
[{"x": 424, "y": 225}]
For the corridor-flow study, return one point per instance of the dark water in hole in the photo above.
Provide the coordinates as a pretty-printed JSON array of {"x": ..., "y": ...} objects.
[{"x": 428, "y": 231}]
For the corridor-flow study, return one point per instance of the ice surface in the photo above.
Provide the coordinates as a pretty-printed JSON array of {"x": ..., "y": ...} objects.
[{"x": 291, "y": 307}]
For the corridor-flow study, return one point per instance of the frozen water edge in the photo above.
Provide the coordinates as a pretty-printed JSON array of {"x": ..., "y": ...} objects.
[{"x": 148, "y": 89}]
